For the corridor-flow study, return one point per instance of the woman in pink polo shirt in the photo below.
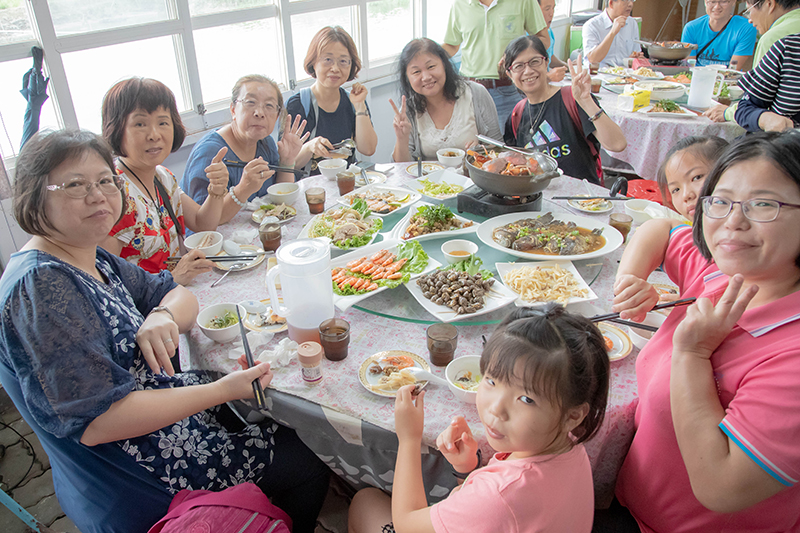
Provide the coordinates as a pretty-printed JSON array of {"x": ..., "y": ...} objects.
[{"x": 718, "y": 420}]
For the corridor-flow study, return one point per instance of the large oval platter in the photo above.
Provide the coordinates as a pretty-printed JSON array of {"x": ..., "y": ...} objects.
[{"x": 613, "y": 237}]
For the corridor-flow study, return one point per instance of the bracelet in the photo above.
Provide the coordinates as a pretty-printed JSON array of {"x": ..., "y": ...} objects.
[
  {"x": 233, "y": 195},
  {"x": 460, "y": 475},
  {"x": 596, "y": 115},
  {"x": 166, "y": 310},
  {"x": 216, "y": 196},
  {"x": 364, "y": 113}
]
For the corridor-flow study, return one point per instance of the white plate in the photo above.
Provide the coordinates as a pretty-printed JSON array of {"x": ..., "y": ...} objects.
[
  {"x": 258, "y": 216},
  {"x": 399, "y": 192},
  {"x": 622, "y": 343},
  {"x": 367, "y": 379},
  {"x": 503, "y": 270},
  {"x": 399, "y": 229},
  {"x": 447, "y": 176},
  {"x": 613, "y": 237},
  {"x": 616, "y": 71},
  {"x": 427, "y": 168},
  {"x": 257, "y": 260},
  {"x": 274, "y": 328},
  {"x": 374, "y": 177},
  {"x": 344, "y": 302},
  {"x": 576, "y": 205},
  {"x": 499, "y": 296},
  {"x": 686, "y": 113},
  {"x": 658, "y": 76},
  {"x": 304, "y": 232}
]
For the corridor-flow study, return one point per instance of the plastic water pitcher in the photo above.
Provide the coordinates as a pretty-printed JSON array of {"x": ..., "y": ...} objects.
[
  {"x": 305, "y": 269},
  {"x": 702, "y": 87}
]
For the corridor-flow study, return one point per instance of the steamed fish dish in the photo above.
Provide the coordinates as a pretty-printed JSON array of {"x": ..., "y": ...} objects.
[{"x": 548, "y": 236}]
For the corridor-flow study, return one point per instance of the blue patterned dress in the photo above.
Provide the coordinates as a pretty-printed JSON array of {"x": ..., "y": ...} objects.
[{"x": 67, "y": 352}]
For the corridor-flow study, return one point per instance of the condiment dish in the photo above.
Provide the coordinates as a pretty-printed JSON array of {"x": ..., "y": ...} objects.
[{"x": 457, "y": 250}]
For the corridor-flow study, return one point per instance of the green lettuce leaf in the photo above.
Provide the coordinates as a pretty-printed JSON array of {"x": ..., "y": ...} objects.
[
  {"x": 417, "y": 258},
  {"x": 471, "y": 266}
]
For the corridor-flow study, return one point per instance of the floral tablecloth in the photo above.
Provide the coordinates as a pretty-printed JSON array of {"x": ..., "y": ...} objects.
[{"x": 352, "y": 429}]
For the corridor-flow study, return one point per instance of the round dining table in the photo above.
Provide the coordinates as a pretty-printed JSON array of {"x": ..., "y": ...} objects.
[{"x": 351, "y": 428}]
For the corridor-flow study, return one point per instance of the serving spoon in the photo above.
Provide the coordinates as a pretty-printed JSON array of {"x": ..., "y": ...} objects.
[
  {"x": 489, "y": 140},
  {"x": 347, "y": 143}
]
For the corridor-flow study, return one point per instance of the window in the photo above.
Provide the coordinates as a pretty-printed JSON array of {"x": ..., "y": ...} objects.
[
  {"x": 15, "y": 27},
  {"x": 583, "y": 5},
  {"x": 391, "y": 26},
  {"x": 85, "y": 16},
  {"x": 437, "y": 14},
  {"x": 562, "y": 9},
  {"x": 305, "y": 26},
  {"x": 208, "y": 7}
]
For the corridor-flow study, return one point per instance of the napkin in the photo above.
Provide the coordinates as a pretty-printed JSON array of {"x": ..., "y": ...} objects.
[
  {"x": 244, "y": 236},
  {"x": 282, "y": 355},
  {"x": 633, "y": 99},
  {"x": 255, "y": 338},
  {"x": 659, "y": 211},
  {"x": 256, "y": 203}
]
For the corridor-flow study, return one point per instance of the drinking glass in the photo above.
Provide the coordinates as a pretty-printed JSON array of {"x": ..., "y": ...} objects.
[{"x": 442, "y": 342}]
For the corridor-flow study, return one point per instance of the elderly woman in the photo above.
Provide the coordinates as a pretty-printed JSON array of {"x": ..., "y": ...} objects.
[
  {"x": 332, "y": 114},
  {"x": 142, "y": 124},
  {"x": 722, "y": 38},
  {"x": 439, "y": 109},
  {"x": 717, "y": 421},
  {"x": 86, "y": 343},
  {"x": 256, "y": 106},
  {"x": 567, "y": 124}
]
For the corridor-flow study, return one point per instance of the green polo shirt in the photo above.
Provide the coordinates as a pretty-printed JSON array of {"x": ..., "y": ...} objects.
[
  {"x": 483, "y": 34},
  {"x": 787, "y": 24}
]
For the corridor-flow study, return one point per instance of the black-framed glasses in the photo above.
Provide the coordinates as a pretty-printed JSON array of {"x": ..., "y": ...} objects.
[
  {"x": 520, "y": 67},
  {"x": 251, "y": 105},
  {"x": 81, "y": 188},
  {"x": 755, "y": 209}
]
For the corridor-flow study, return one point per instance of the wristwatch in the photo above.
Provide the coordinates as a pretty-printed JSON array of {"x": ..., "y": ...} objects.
[
  {"x": 364, "y": 113},
  {"x": 464, "y": 475},
  {"x": 166, "y": 310}
]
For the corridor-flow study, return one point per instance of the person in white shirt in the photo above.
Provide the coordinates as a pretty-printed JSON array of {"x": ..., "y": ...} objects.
[{"x": 608, "y": 38}]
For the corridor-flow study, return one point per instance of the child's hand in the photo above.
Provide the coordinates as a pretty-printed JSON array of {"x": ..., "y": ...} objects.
[
  {"x": 634, "y": 297},
  {"x": 458, "y": 445},
  {"x": 409, "y": 418}
]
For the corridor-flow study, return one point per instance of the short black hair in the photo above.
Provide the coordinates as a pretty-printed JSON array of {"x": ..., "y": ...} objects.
[
  {"x": 785, "y": 4},
  {"x": 564, "y": 358},
  {"x": 452, "y": 81},
  {"x": 709, "y": 148},
  {"x": 780, "y": 149},
  {"x": 519, "y": 45}
]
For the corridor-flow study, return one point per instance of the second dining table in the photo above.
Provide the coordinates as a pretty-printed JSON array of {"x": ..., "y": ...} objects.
[{"x": 352, "y": 429}]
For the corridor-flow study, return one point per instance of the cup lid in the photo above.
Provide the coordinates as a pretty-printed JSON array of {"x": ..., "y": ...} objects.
[
  {"x": 309, "y": 349},
  {"x": 304, "y": 252}
]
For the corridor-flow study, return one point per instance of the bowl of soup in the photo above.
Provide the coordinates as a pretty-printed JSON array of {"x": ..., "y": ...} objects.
[
  {"x": 458, "y": 250},
  {"x": 463, "y": 376},
  {"x": 450, "y": 157}
]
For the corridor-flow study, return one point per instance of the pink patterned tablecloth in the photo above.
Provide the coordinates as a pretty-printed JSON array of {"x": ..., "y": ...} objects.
[
  {"x": 650, "y": 138},
  {"x": 340, "y": 389}
]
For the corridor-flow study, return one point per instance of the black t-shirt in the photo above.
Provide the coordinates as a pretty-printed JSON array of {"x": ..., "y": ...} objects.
[{"x": 556, "y": 135}]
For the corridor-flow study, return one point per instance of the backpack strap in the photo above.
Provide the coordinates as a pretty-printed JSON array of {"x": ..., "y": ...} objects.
[
  {"x": 572, "y": 109},
  {"x": 308, "y": 101},
  {"x": 516, "y": 115}
]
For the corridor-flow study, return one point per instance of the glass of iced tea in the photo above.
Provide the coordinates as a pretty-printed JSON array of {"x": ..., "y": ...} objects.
[
  {"x": 442, "y": 342},
  {"x": 315, "y": 197},
  {"x": 334, "y": 335}
]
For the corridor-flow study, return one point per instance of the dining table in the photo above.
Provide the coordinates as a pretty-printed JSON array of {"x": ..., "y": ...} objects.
[{"x": 352, "y": 429}]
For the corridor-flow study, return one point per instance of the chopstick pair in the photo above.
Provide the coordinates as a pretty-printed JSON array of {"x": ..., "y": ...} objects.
[
  {"x": 676, "y": 303},
  {"x": 591, "y": 198},
  {"x": 276, "y": 168},
  {"x": 221, "y": 258},
  {"x": 258, "y": 390}
]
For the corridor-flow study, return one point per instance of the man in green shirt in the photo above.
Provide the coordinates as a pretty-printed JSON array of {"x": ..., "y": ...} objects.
[
  {"x": 774, "y": 20},
  {"x": 482, "y": 29}
]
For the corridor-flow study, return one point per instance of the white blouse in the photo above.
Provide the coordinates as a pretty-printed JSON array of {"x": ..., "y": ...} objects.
[{"x": 459, "y": 131}]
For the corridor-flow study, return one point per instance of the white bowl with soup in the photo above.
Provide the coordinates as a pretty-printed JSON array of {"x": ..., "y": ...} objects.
[
  {"x": 208, "y": 242},
  {"x": 458, "y": 250},
  {"x": 219, "y": 323},
  {"x": 283, "y": 193},
  {"x": 450, "y": 157},
  {"x": 330, "y": 167},
  {"x": 463, "y": 375}
]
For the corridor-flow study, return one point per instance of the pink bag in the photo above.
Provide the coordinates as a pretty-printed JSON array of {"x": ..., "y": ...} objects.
[{"x": 239, "y": 509}]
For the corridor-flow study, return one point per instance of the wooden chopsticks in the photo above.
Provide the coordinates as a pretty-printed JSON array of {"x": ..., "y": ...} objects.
[
  {"x": 676, "y": 303},
  {"x": 221, "y": 258}
]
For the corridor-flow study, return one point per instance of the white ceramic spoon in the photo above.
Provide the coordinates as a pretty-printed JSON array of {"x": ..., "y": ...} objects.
[
  {"x": 424, "y": 375},
  {"x": 253, "y": 307},
  {"x": 231, "y": 248}
]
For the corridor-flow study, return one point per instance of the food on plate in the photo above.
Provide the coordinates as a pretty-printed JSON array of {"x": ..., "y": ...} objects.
[
  {"x": 394, "y": 381},
  {"x": 621, "y": 80},
  {"x": 467, "y": 380},
  {"x": 282, "y": 211},
  {"x": 617, "y": 71},
  {"x": 439, "y": 190},
  {"x": 392, "y": 371},
  {"x": 506, "y": 163},
  {"x": 267, "y": 318},
  {"x": 645, "y": 72},
  {"x": 729, "y": 74},
  {"x": 382, "y": 269},
  {"x": 681, "y": 77},
  {"x": 471, "y": 266},
  {"x": 544, "y": 284},
  {"x": 347, "y": 227},
  {"x": 609, "y": 343},
  {"x": 673, "y": 44},
  {"x": 548, "y": 236},
  {"x": 219, "y": 322},
  {"x": 665, "y": 106},
  {"x": 450, "y": 154},
  {"x": 459, "y": 291},
  {"x": 593, "y": 204},
  {"x": 378, "y": 201},
  {"x": 433, "y": 219}
]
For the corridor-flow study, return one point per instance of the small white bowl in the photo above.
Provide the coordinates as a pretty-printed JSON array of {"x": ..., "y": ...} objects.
[
  {"x": 736, "y": 92},
  {"x": 451, "y": 249},
  {"x": 639, "y": 337},
  {"x": 471, "y": 363},
  {"x": 219, "y": 335},
  {"x": 330, "y": 167},
  {"x": 283, "y": 193},
  {"x": 214, "y": 248},
  {"x": 450, "y": 157},
  {"x": 635, "y": 208}
]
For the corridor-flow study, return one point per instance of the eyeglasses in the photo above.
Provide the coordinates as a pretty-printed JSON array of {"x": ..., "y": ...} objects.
[
  {"x": 721, "y": 3},
  {"x": 81, "y": 188},
  {"x": 520, "y": 67},
  {"x": 756, "y": 209},
  {"x": 343, "y": 63},
  {"x": 252, "y": 105},
  {"x": 751, "y": 7}
]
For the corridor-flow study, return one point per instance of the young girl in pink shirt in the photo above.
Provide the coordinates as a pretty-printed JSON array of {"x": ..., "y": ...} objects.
[{"x": 543, "y": 393}]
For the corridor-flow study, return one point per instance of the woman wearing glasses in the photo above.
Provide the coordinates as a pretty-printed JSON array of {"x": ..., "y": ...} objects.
[
  {"x": 566, "y": 123},
  {"x": 718, "y": 417},
  {"x": 333, "y": 115},
  {"x": 722, "y": 38},
  {"x": 246, "y": 146},
  {"x": 438, "y": 108}
]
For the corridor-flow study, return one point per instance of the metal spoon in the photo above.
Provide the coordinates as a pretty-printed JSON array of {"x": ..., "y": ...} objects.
[
  {"x": 235, "y": 266},
  {"x": 424, "y": 375},
  {"x": 350, "y": 144}
]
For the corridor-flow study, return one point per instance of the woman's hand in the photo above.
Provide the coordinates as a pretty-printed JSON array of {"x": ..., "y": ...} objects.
[
  {"x": 255, "y": 173},
  {"x": 158, "y": 338},
  {"x": 716, "y": 113},
  {"x": 556, "y": 74},
  {"x": 581, "y": 82},
  {"x": 319, "y": 147},
  {"x": 402, "y": 126},
  {"x": 409, "y": 417},
  {"x": 358, "y": 94},
  {"x": 634, "y": 297},
  {"x": 292, "y": 141},
  {"x": 190, "y": 266},
  {"x": 770, "y": 121},
  {"x": 217, "y": 174},
  {"x": 705, "y": 325},
  {"x": 458, "y": 445}
]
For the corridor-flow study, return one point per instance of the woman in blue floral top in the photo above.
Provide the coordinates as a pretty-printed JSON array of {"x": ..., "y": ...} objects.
[{"x": 85, "y": 344}]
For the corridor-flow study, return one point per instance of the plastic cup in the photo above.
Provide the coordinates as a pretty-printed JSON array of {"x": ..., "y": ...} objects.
[
  {"x": 596, "y": 84},
  {"x": 315, "y": 197},
  {"x": 442, "y": 343},
  {"x": 334, "y": 335},
  {"x": 270, "y": 236},
  {"x": 622, "y": 223},
  {"x": 346, "y": 181}
]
